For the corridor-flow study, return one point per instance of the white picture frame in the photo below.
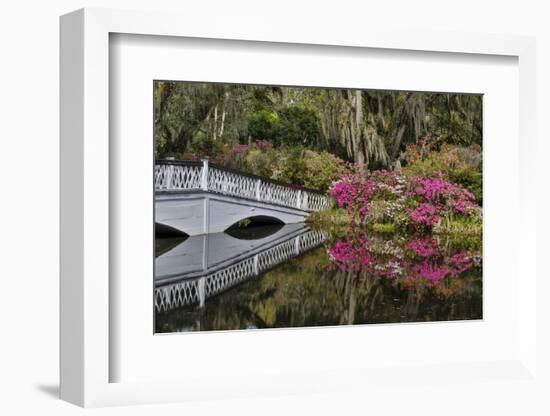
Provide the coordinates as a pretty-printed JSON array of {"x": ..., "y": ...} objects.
[{"x": 86, "y": 355}]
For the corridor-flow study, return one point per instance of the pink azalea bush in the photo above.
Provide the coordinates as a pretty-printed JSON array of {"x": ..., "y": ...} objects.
[{"x": 393, "y": 197}]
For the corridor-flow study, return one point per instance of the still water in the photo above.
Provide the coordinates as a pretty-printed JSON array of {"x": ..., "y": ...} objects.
[{"x": 275, "y": 276}]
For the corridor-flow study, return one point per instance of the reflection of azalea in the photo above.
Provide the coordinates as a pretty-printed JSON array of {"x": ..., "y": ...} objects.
[
  {"x": 417, "y": 260},
  {"x": 430, "y": 271},
  {"x": 349, "y": 256},
  {"x": 424, "y": 247}
]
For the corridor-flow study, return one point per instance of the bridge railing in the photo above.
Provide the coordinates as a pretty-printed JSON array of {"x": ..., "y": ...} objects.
[{"x": 199, "y": 175}]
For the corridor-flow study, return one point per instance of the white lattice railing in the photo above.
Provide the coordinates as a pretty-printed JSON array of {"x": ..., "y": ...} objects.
[
  {"x": 197, "y": 290},
  {"x": 183, "y": 176}
]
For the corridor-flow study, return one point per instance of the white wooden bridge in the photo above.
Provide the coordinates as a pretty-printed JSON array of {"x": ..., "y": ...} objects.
[
  {"x": 206, "y": 265},
  {"x": 197, "y": 198}
]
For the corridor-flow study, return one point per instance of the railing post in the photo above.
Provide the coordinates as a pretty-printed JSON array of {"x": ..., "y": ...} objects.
[
  {"x": 258, "y": 185},
  {"x": 299, "y": 199},
  {"x": 256, "y": 269},
  {"x": 202, "y": 291},
  {"x": 169, "y": 173},
  {"x": 224, "y": 184},
  {"x": 159, "y": 177},
  {"x": 204, "y": 176},
  {"x": 297, "y": 245},
  {"x": 305, "y": 202}
]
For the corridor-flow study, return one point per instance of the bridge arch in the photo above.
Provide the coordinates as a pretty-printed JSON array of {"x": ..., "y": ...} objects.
[
  {"x": 253, "y": 228},
  {"x": 256, "y": 220}
]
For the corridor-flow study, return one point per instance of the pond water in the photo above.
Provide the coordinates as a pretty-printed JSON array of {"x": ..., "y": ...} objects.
[{"x": 275, "y": 276}]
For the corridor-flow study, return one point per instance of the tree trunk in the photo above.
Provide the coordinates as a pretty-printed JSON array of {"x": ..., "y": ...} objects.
[
  {"x": 397, "y": 142},
  {"x": 226, "y": 95},
  {"x": 215, "y": 129},
  {"x": 359, "y": 154}
]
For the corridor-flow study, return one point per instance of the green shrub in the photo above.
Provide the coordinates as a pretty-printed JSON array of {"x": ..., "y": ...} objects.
[
  {"x": 293, "y": 164},
  {"x": 459, "y": 165},
  {"x": 263, "y": 124},
  {"x": 319, "y": 170},
  {"x": 294, "y": 125},
  {"x": 259, "y": 163}
]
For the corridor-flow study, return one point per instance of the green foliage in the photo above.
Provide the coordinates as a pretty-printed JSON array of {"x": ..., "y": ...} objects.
[
  {"x": 263, "y": 163},
  {"x": 262, "y": 124},
  {"x": 315, "y": 170},
  {"x": 369, "y": 128},
  {"x": 289, "y": 126},
  {"x": 292, "y": 164},
  {"x": 321, "y": 169},
  {"x": 297, "y": 125},
  {"x": 459, "y": 165},
  {"x": 244, "y": 223},
  {"x": 180, "y": 111},
  {"x": 386, "y": 228}
]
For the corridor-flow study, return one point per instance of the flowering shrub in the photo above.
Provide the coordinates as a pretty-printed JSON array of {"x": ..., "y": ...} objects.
[
  {"x": 425, "y": 214},
  {"x": 391, "y": 197},
  {"x": 438, "y": 191}
]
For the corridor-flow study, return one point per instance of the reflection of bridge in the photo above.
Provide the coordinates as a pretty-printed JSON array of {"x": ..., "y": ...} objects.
[
  {"x": 203, "y": 266},
  {"x": 196, "y": 198}
]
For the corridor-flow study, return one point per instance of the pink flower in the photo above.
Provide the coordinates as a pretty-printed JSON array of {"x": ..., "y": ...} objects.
[{"x": 425, "y": 214}]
